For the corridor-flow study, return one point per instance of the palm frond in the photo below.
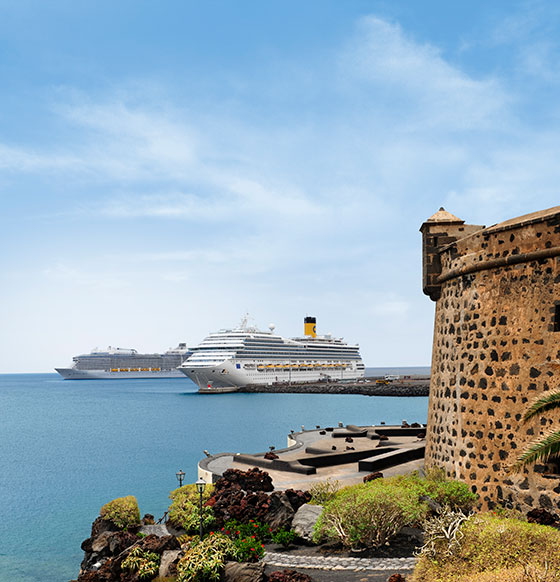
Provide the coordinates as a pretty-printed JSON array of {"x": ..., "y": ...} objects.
[
  {"x": 549, "y": 402},
  {"x": 543, "y": 449}
]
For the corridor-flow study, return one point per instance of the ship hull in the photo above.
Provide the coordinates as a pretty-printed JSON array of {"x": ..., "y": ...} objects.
[
  {"x": 227, "y": 377},
  {"x": 73, "y": 374}
]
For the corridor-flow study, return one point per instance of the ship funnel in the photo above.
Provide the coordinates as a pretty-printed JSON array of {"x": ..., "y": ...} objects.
[{"x": 310, "y": 328}]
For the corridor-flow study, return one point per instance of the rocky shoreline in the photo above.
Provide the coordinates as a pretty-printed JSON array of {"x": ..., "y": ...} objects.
[{"x": 370, "y": 387}]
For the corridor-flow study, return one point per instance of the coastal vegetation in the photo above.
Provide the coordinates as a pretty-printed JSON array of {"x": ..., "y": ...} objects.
[
  {"x": 457, "y": 544},
  {"x": 145, "y": 564},
  {"x": 367, "y": 515},
  {"x": 123, "y": 512},
  {"x": 205, "y": 559},
  {"x": 324, "y": 491},
  {"x": 370, "y": 514},
  {"x": 184, "y": 511},
  {"x": 438, "y": 488},
  {"x": 491, "y": 548}
]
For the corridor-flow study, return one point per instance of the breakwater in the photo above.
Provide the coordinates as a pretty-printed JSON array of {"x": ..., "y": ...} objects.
[{"x": 368, "y": 387}]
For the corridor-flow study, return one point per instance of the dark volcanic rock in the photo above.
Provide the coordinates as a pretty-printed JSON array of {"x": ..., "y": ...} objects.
[
  {"x": 120, "y": 541},
  {"x": 288, "y": 576},
  {"x": 542, "y": 517},
  {"x": 105, "y": 553},
  {"x": 373, "y": 476},
  {"x": 101, "y": 525},
  {"x": 242, "y": 495},
  {"x": 297, "y": 498},
  {"x": 97, "y": 550},
  {"x": 280, "y": 513},
  {"x": 152, "y": 543},
  {"x": 251, "y": 480}
]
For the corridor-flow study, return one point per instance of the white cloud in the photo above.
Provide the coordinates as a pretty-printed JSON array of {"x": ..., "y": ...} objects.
[
  {"x": 172, "y": 205},
  {"x": 150, "y": 138},
  {"x": 19, "y": 159},
  {"x": 418, "y": 82}
]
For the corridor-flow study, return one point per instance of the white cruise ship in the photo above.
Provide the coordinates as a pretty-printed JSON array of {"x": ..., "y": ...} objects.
[
  {"x": 231, "y": 358},
  {"x": 121, "y": 364}
]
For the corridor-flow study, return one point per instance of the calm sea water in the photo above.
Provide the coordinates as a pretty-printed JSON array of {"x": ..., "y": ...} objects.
[{"x": 68, "y": 447}]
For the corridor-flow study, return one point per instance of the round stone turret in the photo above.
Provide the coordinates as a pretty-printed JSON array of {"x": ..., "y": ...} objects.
[{"x": 496, "y": 349}]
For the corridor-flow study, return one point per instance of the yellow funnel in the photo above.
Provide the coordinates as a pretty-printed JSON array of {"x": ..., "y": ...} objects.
[{"x": 310, "y": 328}]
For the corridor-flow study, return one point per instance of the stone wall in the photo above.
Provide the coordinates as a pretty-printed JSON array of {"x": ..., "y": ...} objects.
[{"x": 495, "y": 350}]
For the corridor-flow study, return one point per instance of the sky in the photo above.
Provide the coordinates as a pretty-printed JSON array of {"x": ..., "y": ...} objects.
[{"x": 167, "y": 167}]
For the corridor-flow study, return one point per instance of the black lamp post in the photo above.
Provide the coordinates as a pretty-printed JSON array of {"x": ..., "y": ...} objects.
[
  {"x": 180, "y": 476},
  {"x": 200, "y": 485}
]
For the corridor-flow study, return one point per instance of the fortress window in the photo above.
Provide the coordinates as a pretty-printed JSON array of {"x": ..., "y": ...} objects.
[{"x": 557, "y": 317}]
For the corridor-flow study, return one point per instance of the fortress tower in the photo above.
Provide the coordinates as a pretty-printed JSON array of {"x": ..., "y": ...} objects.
[{"x": 496, "y": 349}]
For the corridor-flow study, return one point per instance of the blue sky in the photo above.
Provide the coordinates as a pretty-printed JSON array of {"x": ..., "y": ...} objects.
[{"x": 166, "y": 167}]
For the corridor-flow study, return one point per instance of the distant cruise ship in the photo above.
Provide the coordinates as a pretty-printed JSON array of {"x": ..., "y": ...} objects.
[
  {"x": 231, "y": 358},
  {"x": 119, "y": 363}
]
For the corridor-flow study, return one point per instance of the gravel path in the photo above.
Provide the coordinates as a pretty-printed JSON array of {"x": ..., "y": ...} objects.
[{"x": 336, "y": 563}]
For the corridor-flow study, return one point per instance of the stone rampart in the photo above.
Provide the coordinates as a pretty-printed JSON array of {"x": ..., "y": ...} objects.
[{"x": 496, "y": 349}]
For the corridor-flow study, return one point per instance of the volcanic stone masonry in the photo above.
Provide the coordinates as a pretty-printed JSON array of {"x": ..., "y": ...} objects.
[{"x": 496, "y": 349}]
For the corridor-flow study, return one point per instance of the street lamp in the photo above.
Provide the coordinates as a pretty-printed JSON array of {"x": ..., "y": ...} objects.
[
  {"x": 180, "y": 476},
  {"x": 200, "y": 485}
]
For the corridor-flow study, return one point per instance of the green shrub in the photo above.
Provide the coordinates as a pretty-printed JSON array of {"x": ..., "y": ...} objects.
[
  {"x": 453, "y": 494},
  {"x": 368, "y": 515},
  {"x": 123, "y": 511},
  {"x": 145, "y": 564},
  {"x": 490, "y": 544},
  {"x": 205, "y": 560},
  {"x": 284, "y": 537},
  {"x": 184, "y": 510},
  {"x": 324, "y": 491}
]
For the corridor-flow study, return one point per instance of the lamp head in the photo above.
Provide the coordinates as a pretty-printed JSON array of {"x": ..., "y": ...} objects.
[{"x": 200, "y": 485}]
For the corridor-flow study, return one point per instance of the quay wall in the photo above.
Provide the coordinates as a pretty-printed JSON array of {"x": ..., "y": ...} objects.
[
  {"x": 496, "y": 349},
  {"x": 412, "y": 388}
]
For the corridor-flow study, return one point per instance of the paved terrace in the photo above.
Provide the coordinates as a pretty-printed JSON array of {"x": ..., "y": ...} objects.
[{"x": 345, "y": 453}]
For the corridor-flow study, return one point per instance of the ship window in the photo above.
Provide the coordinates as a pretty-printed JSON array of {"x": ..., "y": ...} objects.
[{"x": 557, "y": 317}]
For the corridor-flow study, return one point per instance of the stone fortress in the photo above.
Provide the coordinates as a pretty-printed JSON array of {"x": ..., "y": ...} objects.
[{"x": 496, "y": 349}]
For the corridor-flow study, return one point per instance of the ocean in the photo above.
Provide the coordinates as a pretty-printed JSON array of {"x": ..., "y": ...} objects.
[{"x": 68, "y": 447}]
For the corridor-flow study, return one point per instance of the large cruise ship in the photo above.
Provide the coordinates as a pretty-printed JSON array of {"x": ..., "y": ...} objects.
[
  {"x": 120, "y": 364},
  {"x": 231, "y": 358}
]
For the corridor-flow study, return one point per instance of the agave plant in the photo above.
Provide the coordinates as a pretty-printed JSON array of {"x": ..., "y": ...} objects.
[{"x": 547, "y": 447}]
